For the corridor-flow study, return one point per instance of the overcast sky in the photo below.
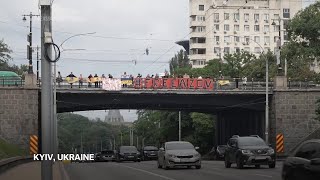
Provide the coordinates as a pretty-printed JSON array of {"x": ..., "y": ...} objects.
[{"x": 123, "y": 30}]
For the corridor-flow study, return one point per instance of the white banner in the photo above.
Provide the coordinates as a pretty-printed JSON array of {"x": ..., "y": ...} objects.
[{"x": 111, "y": 84}]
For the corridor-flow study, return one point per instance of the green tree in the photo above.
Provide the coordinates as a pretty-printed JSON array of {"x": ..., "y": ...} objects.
[{"x": 179, "y": 61}]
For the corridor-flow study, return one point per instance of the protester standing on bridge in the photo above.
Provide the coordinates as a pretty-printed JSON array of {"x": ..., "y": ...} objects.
[
  {"x": 124, "y": 77},
  {"x": 80, "y": 81},
  {"x": 244, "y": 82},
  {"x": 59, "y": 78},
  {"x": 89, "y": 78},
  {"x": 96, "y": 81},
  {"x": 71, "y": 75},
  {"x": 110, "y": 76}
]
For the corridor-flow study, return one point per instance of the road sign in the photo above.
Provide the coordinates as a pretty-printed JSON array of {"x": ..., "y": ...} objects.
[
  {"x": 33, "y": 144},
  {"x": 280, "y": 143}
]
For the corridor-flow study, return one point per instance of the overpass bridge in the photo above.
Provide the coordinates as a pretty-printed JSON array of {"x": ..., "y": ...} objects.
[{"x": 238, "y": 111}]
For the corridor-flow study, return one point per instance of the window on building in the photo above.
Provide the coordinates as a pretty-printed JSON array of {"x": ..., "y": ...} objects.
[
  {"x": 246, "y": 17},
  {"x": 246, "y": 28},
  {"x": 201, "y": 7},
  {"x": 226, "y": 16},
  {"x": 216, "y": 50},
  {"x": 276, "y": 28},
  {"x": 256, "y": 17},
  {"x": 227, "y": 39},
  {"x": 236, "y": 16},
  {"x": 257, "y": 39},
  {"x": 276, "y": 16},
  {"x": 226, "y": 27},
  {"x": 201, "y": 40},
  {"x": 266, "y": 18},
  {"x": 266, "y": 28},
  {"x": 216, "y": 38},
  {"x": 236, "y": 39},
  {"x": 201, "y": 51},
  {"x": 216, "y": 27},
  {"x": 201, "y": 29},
  {"x": 267, "y": 39},
  {"x": 285, "y": 24},
  {"x": 247, "y": 49},
  {"x": 275, "y": 39},
  {"x": 256, "y": 28},
  {"x": 236, "y": 27},
  {"x": 257, "y": 50},
  {"x": 286, "y": 13},
  {"x": 247, "y": 39},
  {"x": 216, "y": 17},
  {"x": 201, "y": 18},
  {"x": 226, "y": 50},
  {"x": 285, "y": 36},
  {"x": 237, "y": 49}
]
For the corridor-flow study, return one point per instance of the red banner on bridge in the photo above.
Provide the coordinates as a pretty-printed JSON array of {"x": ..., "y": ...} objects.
[{"x": 173, "y": 83}]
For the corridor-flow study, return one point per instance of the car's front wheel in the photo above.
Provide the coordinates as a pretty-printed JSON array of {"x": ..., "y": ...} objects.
[
  {"x": 198, "y": 167},
  {"x": 239, "y": 163},
  {"x": 273, "y": 165},
  {"x": 227, "y": 164}
]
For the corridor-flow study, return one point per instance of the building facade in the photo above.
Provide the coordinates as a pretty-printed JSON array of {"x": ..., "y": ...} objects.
[{"x": 221, "y": 27}]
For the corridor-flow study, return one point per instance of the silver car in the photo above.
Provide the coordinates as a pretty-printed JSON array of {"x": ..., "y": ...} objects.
[{"x": 178, "y": 153}]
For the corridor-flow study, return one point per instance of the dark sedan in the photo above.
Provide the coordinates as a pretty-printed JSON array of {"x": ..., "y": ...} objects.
[
  {"x": 149, "y": 153},
  {"x": 304, "y": 163},
  {"x": 128, "y": 153}
]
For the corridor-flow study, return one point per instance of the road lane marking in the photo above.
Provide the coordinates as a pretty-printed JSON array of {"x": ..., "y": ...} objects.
[
  {"x": 147, "y": 172},
  {"x": 263, "y": 175}
]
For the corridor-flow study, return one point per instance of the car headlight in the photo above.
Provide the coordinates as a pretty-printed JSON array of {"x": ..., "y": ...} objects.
[
  {"x": 245, "y": 151},
  {"x": 270, "y": 151},
  {"x": 172, "y": 155}
]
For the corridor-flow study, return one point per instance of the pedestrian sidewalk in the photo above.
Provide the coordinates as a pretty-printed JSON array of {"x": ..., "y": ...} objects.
[{"x": 32, "y": 171}]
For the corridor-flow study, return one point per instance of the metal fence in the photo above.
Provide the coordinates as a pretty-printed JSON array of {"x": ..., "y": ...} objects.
[{"x": 11, "y": 81}]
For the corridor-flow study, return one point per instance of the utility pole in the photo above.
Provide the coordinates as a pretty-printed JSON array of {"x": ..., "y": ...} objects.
[
  {"x": 267, "y": 102},
  {"x": 100, "y": 144},
  {"x": 179, "y": 125},
  {"x": 46, "y": 89},
  {"x": 29, "y": 50},
  {"x": 81, "y": 145},
  {"x": 38, "y": 64},
  {"x": 121, "y": 138},
  {"x": 137, "y": 141}
]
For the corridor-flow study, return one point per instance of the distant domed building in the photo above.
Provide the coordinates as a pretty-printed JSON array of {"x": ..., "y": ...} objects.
[{"x": 114, "y": 117}]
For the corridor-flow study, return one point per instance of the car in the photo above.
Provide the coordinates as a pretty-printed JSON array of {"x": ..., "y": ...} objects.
[
  {"x": 218, "y": 152},
  {"x": 304, "y": 163},
  {"x": 128, "y": 153},
  {"x": 107, "y": 155},
  {"x": 149, "y": 153},
  {"x": 178, "y": 153},
  {"x": 249, "y": 150}
]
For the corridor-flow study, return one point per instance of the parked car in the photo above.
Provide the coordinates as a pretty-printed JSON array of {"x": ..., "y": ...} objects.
[
  {"x": 107, "y": 155},
  {"x": 249, "y": 150},
  {"x": 218, "y": 152},
  {"x": 304, "y": 163},
  {"x": 178, "y": 153},
  {"x": 149, "y": 153},
  {"x": 128, "y": 153}
]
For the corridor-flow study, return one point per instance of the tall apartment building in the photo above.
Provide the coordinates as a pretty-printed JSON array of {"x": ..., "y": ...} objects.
[{"x": 219, "y": 27}]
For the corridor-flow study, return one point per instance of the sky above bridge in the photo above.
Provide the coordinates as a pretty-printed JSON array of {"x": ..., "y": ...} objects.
[{"x": 123, "y": 30}]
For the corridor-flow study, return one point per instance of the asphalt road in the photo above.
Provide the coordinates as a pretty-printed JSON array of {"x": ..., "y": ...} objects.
[{"x": 148, "y": 170}]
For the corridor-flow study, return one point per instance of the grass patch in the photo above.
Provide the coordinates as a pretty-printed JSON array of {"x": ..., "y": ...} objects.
[{"x": 9, "y": 150}]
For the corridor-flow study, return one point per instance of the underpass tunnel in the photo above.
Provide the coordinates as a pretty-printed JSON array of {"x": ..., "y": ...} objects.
[{"x": 240, "y": 122}]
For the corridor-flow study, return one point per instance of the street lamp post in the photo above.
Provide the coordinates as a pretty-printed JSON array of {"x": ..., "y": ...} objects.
[
  {"x": 29, "y": 50},
  {"x": 54, "y": 115}
]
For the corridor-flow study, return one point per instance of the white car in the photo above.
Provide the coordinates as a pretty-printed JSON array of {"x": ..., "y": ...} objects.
[{"x": 178, "y": 153}]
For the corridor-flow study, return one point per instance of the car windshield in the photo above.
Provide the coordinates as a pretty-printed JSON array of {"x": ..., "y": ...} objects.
[
  {"x": 107, "y": 152},
  {"x": 130, "y": 149},
  {"x": 150, "y": 148},
  {"x": 177, "y": 146},
  {"x": 250, "y": 141}
]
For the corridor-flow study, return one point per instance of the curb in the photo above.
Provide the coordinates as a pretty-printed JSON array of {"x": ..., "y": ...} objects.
[{"x": 9, "y": 163}]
